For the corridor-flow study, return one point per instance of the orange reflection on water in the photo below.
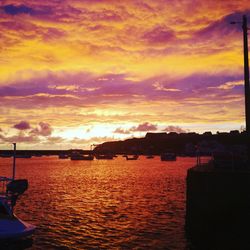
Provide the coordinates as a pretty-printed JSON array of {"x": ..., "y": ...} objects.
[{"x": 104, "y": 203}]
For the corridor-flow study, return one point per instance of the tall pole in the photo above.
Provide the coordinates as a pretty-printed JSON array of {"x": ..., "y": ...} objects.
[
  {"x": 246, "y": 73},
  {"x": 246, "y": 77}
]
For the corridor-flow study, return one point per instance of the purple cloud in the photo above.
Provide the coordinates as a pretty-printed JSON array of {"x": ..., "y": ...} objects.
[
  {"x": 83, "y": 89},
  {"x": 159, "y": 35},
  {"x": 15, "y": 10},
  {"x": 23, "y": 125},
  {"x": 11, "y": 9},
  {"x": 221, "y": 27},
  {"x": 108, "y": 15},
  {"x": 144, "y": 127}
]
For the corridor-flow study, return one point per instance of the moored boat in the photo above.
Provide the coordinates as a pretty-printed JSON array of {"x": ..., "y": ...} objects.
[
  {"x": 24, "y": 156},
  {"x": 63, "y": 156},
  {"x": 11, "y": 227},
  {"x": 129, "y": 158},
  {"x": 5, "y": 155},
  {"x": 104, "y": 156},
  {"x": 77, "y": 157},
  {"x": 168, "y": 156}
]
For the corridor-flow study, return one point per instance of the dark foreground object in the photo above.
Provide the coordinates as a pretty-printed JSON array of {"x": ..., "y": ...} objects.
[{"x": 218, "y": 208}]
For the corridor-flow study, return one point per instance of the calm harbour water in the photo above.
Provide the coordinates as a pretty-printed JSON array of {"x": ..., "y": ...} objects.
[{"x": 103, "y": 204}]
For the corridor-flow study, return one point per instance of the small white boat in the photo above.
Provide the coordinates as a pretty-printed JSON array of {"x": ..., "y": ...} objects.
[{"x": 11, "y": 227}]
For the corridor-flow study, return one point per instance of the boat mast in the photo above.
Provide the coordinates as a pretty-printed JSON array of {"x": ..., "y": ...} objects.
[{"x": 14, "y": 162}]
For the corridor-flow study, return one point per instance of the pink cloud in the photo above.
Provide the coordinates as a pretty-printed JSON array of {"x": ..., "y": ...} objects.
[
  {"x": 43, "y": 129},
  {"x": 144, "y": 127},
  {"x": 27, "y": 134}
]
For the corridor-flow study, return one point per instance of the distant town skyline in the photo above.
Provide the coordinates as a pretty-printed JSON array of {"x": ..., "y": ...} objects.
[{"x": 76, "y": 73}]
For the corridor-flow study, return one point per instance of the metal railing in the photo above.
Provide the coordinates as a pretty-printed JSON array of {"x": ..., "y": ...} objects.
[{"x": 3, "y": 184}]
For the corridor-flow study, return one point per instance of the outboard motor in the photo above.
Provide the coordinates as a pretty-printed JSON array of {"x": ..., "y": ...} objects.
[{"x": 15, "y": 188}]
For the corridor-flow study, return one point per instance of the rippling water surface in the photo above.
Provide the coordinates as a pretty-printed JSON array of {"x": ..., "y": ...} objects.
[{"x": 103, "y": 204}]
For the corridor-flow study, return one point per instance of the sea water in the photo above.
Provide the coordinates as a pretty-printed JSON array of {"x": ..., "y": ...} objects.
[{"x": 103, "y": 204}]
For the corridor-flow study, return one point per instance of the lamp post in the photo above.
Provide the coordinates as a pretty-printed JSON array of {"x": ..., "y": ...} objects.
[
  {"x": 246, "y": 80},
  {"x": 246, "y": 76}
]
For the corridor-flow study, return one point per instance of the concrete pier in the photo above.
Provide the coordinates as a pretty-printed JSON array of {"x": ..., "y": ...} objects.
[{"x": 218, "y": 207}]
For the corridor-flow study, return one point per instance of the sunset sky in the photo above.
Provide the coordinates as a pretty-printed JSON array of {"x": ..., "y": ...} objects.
[{"x": 81, "y": 72}]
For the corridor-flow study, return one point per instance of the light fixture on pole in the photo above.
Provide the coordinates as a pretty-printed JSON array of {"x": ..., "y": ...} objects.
[{"x": 246, "y": 79}]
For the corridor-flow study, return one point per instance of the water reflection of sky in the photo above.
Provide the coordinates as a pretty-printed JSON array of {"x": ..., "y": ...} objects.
[{"x": 104, "y": 203}]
